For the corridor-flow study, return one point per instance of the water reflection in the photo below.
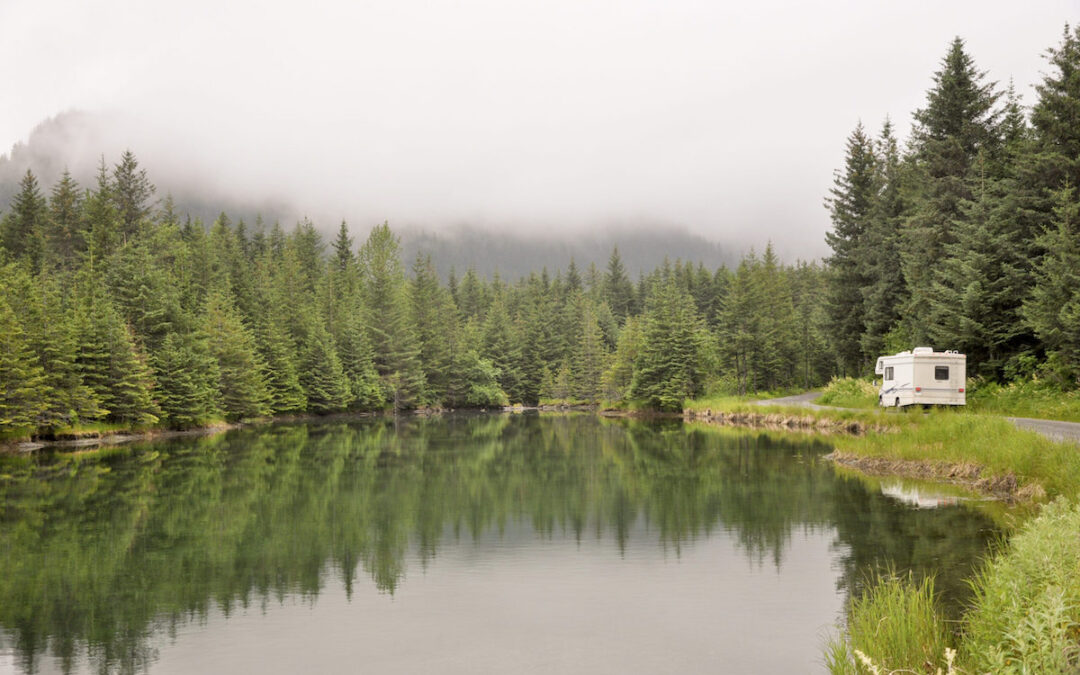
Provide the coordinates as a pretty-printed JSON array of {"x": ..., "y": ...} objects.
[{"x": 102, "y": 550}]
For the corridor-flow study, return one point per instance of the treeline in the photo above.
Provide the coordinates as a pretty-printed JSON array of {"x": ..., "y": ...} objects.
[
  {"x": 968, "y": 238},
  {"x": 114, "y": 308}
]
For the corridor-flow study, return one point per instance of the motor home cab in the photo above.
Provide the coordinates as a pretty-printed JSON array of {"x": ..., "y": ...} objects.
[{"x": 922, "y": 376}]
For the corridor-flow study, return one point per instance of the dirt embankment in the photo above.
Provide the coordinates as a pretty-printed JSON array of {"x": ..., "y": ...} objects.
[
  {"x": 972, "y": 476},
  {"x": 781, "y": 422}
]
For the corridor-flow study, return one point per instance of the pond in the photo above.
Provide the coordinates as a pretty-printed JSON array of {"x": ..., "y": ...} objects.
[{"x": 459, "y": 544}]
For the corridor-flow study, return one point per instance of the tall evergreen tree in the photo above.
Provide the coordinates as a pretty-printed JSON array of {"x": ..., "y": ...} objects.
[
  {"x": 959, "y": 124},
  {"x": 671, "y": 363},
  {"x": 618, "y": 291},
  {"x": 393, "y": 337},
  {"x": 241, "y": 381},
  {"x": 852, "y": 207},
  {"x": 132, "y": 193},
  {"x": 23, "y": 227},
  {"x": 64, "y": 224},
  {"x": 21, "y": 377},
  {"x": 1053, "y": 310}
]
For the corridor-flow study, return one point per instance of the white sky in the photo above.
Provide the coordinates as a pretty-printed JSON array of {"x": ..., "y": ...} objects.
[{"x": 555, "y": 116}]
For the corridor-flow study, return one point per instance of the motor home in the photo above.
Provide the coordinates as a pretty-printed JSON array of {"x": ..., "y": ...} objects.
[{"x": 922, "y": 377}]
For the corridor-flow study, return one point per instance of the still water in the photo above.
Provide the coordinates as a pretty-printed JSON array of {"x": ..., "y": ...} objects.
[{"x": 466, "y": 544}]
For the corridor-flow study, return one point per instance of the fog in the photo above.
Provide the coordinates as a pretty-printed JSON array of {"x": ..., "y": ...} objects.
[{"x": 550, "y": 118}]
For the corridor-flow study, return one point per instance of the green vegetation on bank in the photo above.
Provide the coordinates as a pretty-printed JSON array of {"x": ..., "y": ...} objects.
[
  {"x": 1025, "y": 617},
  {"x": 1029, "y": 397}
]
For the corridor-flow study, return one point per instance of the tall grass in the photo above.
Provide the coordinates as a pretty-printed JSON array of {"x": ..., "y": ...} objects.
[
  {"x": 1026, "y": 615},
  {"x": 893, "y": 626},
  {"x": 849, "y": 392},
  {"x": 986, "y": 440},
  {"x": 1025, "y": 398}
]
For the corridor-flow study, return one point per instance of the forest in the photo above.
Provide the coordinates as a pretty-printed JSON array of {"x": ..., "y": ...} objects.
[{"x": 118, "y": 308}]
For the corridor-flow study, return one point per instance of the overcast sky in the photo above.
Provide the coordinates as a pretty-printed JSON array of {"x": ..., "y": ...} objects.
[{"x": 555, "y": 116}]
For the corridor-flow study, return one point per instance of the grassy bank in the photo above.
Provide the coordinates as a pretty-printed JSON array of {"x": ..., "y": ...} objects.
[
  {"x": 972, "y": 436},
  {"x": 1024, "y": 398},
  {"x": 1025, "y": 617}
]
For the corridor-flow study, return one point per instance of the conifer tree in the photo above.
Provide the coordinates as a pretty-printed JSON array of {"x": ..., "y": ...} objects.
[
  {"x": 885, "y": 288},
  {"x": 500, "y": 345},
  {"x": 286, "y": 395},
  {"x": 49, "y": 330},
  {"x": 241, "y": 382},
  {"x": 959, "y": 121},
  {"x": 102, "y": 220},
  {"x": 393, "y": 337},
  {"x": 670, "y": 365},
  {"x": 618, "y": 291},
  {"x": 321, "y": 374},
  {"x": 21, "y": 376},
  {"x": 435, "y": 322},
  {"x": 188, "y": 380},
  {"x": 619, "y": 376},
  {"x": 112, "y": 365},
  {"x": 64, "y": 224},
  {"x": 589, "y": 358},
  {"x": 1053, "y": 310},
  {"x": 359, "y": 368},
  {"x": 851, "y": 205},
  {"x": 132, "y": 193},
  {"x": 22, "y": 229}
]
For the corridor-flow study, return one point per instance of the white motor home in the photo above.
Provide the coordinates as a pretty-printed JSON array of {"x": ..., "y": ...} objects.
[{"x": 922, "y": 377}]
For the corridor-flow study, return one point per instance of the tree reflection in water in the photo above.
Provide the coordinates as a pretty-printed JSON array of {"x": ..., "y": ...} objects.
[{"x": 100, "y": 550}]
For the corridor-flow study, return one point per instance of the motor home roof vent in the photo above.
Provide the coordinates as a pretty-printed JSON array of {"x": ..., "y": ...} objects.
[{"x": 923, "y": 350}]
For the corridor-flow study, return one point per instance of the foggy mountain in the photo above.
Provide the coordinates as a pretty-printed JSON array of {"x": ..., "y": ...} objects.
[{"x": 79, "y": 141}]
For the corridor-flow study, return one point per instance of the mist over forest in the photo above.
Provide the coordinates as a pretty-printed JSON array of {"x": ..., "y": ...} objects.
[{"x": 76, "y": 141}]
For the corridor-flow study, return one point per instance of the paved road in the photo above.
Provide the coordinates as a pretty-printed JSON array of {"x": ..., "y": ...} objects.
[
  {"x": 1052, "y": 429},
  {"x": 802, "y": 400}
]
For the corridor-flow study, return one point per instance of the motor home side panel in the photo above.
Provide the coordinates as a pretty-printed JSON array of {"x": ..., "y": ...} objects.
[{"x": 900, "y": 390}]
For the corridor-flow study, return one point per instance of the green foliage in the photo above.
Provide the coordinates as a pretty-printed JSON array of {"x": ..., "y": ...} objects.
[
  {"x": 1026, "y": 616},
  {"x": 670, "y": 366},
  {"x": 849, "y": 392},
  {"x": 20, "y": 376},
  {"x": 895, "y": 625},
  {"x": 241, "y": 383},
  {"x": 188, "y": 377}
]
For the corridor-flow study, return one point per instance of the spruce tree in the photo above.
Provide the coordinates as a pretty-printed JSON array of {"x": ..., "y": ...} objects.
[
  {"x": 21, "y": 377},
  {"x": 589, "y": 359},
  {"x": 321, "y": 374},
  {"x": 241, "y": 382},
  {"x": 393, "y": 337},
  {"x": 852, "y": 205},
  {"x": 22, "y": 229},
  {"x": 670, "y": 365},
  {"x": 1053, "y": 310},
  {"x": 187, "y": 376},
  {"x": 618, "y": 291},
  {"x": 65, "y": 232},
  {"x": 132, "y": 193},
  {"x": 112, "y": 365},
  {"x": 959, "y": 122}
]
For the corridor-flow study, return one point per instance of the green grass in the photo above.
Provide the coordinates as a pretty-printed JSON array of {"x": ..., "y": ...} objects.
[
  {"x": 849, "y": 392},
  {"x": 1027, "y": 398},
  {"x": 894, "y": 626},
  {"x": 1026, "y": 616},
  {"x": 966, "y": 438}
]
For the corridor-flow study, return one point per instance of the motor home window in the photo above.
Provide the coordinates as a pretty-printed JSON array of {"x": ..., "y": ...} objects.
[
  {"x": 888, "y": 373},
  {"x": 941, "y": 372}
]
